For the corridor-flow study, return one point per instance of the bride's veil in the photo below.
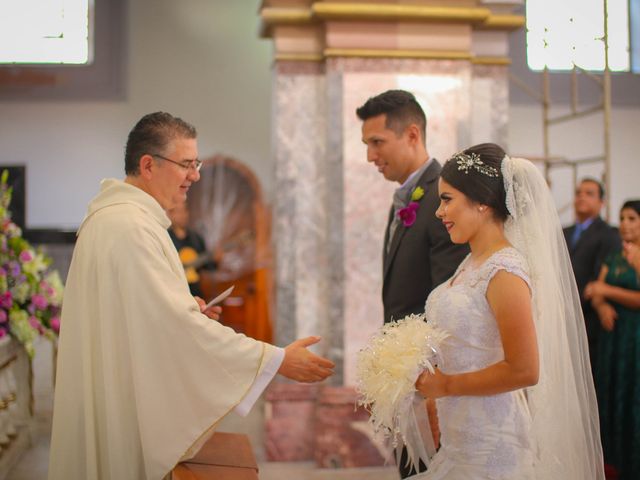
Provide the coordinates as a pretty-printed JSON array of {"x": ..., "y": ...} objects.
[{"x": 565, "y": 426}]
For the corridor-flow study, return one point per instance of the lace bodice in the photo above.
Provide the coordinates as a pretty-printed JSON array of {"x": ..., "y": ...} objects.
[
  {"x": 482, "y": 436},
  {"x": 460, "y": 307}
]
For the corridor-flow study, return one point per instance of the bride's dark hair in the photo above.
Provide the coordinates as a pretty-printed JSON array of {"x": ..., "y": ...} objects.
[{"x": 480, "y": 182}]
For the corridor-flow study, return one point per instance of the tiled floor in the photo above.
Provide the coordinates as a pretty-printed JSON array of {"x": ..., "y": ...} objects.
[{"x": 33, "y": 465}]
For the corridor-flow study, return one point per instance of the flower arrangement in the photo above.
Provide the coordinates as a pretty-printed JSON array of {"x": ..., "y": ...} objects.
[
  {"x": 408, "y": 214},
  {"x": 387, "y": 369},
  {"x": 30, "y": 294}
]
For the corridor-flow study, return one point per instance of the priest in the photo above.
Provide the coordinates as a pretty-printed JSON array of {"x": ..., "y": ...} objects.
[{"x": 144, "y": 373}]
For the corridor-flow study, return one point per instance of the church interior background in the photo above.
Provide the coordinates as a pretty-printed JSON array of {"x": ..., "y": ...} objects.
[{"x": 286, "y": 192}]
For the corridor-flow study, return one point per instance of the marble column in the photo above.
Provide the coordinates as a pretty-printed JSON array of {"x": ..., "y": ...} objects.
[{"x": 300, "y": 228}]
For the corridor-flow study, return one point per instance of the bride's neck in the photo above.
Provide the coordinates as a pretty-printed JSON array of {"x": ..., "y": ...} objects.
[{"x": 487, "y": 241}]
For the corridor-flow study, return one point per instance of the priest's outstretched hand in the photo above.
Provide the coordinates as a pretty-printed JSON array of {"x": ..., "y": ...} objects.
[{"x": 301, "y": 365}]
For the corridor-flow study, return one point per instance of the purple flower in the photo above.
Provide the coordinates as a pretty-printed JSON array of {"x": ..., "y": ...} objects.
[
  {"x": 39, "y": 301},
  {"x": 3, "y": 315},
  {"x": 6, "y": 300},
  {"x": 55, "y": 324},
  {"x": 25, "y": 256},
  {"x": 46, "y": 288},
  {"x": 408, "y": 214},
  {"x": 15, "y": 269},
  {"x": 35, "y": 323}
]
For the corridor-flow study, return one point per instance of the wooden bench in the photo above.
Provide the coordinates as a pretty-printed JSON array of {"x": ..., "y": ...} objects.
[{"x": 226, "y": 456}]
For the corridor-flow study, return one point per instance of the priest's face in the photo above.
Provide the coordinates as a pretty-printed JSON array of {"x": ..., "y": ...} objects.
[{"x": 175, "y": 174}]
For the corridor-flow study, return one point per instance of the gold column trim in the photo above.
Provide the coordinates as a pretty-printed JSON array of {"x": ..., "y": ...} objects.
[
  {"x": 283, "y": 16},
  {"x": 478, "y": 17},
  {"x": 300, "y": 57},
  {"x": 380, "y": 53},
  {"x": 286, "y": 16},
  {"x": 395, "y": 12},
  {"x": 502, "y": 22},
  {"x": 491, "y": 61}
]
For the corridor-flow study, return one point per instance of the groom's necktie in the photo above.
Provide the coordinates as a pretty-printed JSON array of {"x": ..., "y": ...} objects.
[
  {"x": 401, "y": 198},
  {"x": 399, "y": 201}
]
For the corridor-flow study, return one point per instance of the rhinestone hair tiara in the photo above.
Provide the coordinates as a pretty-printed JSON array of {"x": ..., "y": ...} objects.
[{"x": 466, "y": 162}]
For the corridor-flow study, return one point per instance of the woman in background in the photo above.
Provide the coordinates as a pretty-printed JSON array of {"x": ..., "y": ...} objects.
[{"x": 616, "y": 298}]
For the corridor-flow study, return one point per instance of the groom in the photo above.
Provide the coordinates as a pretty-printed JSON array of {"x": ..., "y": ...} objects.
[{"x": 418, "y": 254}]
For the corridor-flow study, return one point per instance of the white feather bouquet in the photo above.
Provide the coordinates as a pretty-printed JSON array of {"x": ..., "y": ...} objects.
[{"x": 387, "y": 369}]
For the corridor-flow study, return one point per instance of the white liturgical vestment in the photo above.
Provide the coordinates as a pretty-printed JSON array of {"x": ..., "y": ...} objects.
[{"x": 142, "y": 375}]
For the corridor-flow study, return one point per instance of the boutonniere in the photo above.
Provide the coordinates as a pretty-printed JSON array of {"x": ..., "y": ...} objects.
[{"x": 408, "y": 214}]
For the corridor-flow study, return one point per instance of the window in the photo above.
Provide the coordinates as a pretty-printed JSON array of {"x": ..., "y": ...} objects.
[
  {"x": 45, "y": 32},
  {"x": 563, "y": 32},
  {"x": 102, "y": 77}
]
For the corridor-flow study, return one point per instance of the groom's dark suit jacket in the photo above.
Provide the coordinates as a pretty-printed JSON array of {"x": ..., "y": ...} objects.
[{"x": 420, "y": 257}]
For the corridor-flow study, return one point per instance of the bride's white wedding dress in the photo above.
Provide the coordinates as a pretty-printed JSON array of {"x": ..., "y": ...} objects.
[
  {"x": 482, "y": 437},
  {"x": 554, "y": 434}
]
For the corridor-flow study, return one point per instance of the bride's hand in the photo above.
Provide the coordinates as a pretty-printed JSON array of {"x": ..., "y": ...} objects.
[{"x": 432, "y": 385}]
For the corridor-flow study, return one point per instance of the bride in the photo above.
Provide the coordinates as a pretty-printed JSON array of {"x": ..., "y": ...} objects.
[{"x": 514, "y": 392}]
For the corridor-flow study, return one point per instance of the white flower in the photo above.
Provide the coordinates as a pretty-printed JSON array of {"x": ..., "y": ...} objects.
[{"x": 388, "y": 367}]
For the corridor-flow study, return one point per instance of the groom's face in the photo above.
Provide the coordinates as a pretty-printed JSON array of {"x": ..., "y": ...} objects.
[{"x": 389, "y": 152}]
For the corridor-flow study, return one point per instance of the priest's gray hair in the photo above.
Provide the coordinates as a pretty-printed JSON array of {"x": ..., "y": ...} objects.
[{"x": 152, "y": 135}]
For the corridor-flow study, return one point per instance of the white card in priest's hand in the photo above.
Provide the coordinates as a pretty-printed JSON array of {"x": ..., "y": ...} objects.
[{"x": 219, "y": 298}]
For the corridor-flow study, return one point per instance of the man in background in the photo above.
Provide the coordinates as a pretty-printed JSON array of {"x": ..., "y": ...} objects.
[
  {"x": 143, "y": 375},
  {"x": 589, "y": 241},
  {"x": 191, "y": 248},
  {"x": 418, "y": 254}
]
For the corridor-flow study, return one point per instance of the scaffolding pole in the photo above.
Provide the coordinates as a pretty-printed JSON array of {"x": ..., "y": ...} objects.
[{"x": 576, "y": 112}]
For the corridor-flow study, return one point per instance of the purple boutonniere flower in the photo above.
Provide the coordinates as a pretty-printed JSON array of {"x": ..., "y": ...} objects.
[{"x": 408, "y": 214}]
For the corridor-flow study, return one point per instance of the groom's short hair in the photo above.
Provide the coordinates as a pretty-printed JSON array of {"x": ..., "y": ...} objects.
[{"x": 401, "y": 108}]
